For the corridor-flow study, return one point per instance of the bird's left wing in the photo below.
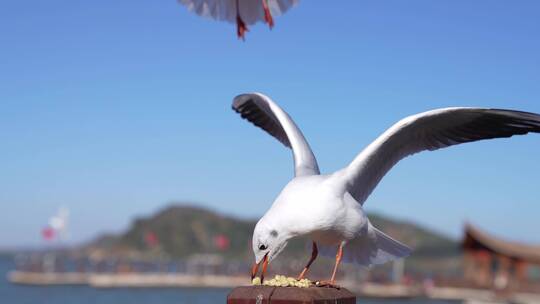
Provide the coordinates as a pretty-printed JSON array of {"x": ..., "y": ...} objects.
[
  {"x": 260, "y": 110},
  {"x": 431, "y": 130}
]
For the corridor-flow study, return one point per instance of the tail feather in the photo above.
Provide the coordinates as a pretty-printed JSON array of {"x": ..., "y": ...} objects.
[
  {"x": 388, "y": 248},
  {"x": 372, "y": 249}
]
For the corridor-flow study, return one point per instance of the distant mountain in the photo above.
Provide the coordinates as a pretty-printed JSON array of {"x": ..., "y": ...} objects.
[{"x": 180, "y": 231}]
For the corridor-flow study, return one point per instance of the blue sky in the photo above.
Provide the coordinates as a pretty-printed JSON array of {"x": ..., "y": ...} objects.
[{"x": 114, "y": 109}]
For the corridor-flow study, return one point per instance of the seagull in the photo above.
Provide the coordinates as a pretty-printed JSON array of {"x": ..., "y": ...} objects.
[
  {"x": 243, "y": 12},
  {"x": 328, "y": 207}
]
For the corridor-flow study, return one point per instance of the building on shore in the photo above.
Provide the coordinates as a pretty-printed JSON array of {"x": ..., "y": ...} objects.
[{"x": 491, "y": 262}]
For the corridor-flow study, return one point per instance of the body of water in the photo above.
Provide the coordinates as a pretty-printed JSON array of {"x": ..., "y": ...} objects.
[{"x": 17, "y": 294}]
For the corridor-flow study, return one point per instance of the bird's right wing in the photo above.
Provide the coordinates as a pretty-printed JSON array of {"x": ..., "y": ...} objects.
[
  {"x": 260, "y": 110},
  {"x": 430, "y": 130},
  {"x": 250, "y": 11}
]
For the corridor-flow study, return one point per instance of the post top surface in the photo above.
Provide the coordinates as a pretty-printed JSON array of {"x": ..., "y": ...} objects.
[{"x": 284, "y": 295}]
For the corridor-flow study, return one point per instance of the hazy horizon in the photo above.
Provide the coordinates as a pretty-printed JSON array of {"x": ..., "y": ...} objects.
[{"x": 67, "y": 242}]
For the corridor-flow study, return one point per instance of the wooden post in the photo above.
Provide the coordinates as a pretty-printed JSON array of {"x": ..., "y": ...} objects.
[{"x": 289, "y": 295}]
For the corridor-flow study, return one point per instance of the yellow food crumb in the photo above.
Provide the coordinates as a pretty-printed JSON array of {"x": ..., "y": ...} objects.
[
  {"x": 256, "y": 281},
  {"x": 283, "y": 281}
]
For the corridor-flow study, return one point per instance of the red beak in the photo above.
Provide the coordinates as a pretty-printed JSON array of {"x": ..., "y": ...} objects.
[{"x": 255, "y": 268}]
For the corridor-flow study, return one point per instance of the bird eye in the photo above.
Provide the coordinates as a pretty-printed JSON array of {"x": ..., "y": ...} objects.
[{"x": 262, "y": 247}]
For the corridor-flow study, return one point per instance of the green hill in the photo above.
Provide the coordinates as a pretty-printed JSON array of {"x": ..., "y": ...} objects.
[{"x": 180, "y": 231}]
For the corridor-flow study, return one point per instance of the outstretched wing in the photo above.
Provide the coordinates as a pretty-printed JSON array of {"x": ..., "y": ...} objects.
[
  {"x": 431, "y": 130},
  {"x": 250, "y": 11},
  {"x": 264, "y": 113}
]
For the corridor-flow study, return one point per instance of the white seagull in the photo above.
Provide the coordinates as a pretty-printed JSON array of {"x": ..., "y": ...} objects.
[
  {"x": 328, "y": 208},
  {"x": 241, "y": 12}
]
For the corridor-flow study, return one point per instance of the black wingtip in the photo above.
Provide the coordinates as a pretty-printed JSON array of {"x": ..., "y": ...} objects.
[
  {"x": 241, "y": 100},
  {"x": 254, "y": 108},
  {"x": 238, "y": 100}
]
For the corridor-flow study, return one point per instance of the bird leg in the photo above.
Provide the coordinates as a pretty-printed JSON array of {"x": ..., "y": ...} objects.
[
  {"x": 241, "y": 27},
  {"x": 267, "y": 15},
  {"x": 314, "y": 253},
  {"x": 332, "y": 282},
  {"x": 255, "y": 268},
  {"x": 339, "y": 255}
]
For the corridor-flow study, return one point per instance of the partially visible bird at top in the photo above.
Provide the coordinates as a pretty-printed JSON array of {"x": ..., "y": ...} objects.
[
  {"x": 328, "y": 208},
  {"x": 241, "y": 12}
]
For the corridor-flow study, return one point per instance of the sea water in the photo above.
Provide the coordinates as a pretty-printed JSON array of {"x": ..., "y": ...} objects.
[{"x": 19, "y": 294}]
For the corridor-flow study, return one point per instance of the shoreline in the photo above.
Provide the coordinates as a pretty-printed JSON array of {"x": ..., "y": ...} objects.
[
  {"x": 125, "y": 280},
  {"x": 160, "y": 280}
]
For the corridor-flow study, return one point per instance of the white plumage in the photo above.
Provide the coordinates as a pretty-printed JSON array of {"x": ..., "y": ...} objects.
[
  {"x": 328, "y": 208},
  {"x": 241, "y": 12}
]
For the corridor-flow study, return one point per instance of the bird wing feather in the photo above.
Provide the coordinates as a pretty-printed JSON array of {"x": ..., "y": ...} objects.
[
  {"x": 267, "y": 115},
  {"x": 431, "y": 131}
]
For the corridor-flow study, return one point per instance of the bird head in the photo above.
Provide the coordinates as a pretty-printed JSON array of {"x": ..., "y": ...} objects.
[{"x": 268, "y": 242}]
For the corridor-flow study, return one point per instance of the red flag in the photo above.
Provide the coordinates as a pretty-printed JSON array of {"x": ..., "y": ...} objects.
[
  {"x": 47, "y": 233},
  {"x": 221, "y": 242},
  {"x": 151, "y": 239}
]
